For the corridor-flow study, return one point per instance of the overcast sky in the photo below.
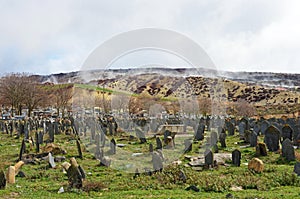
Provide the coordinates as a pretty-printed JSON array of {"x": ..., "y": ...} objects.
[{"x": 239, "y": 35}]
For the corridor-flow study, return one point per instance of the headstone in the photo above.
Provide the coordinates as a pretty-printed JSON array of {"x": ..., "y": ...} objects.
[
  {"x": 140, "y": 134},
  {"x": 2, "y": 180},
  {"x": 253, "y": 139},
  {"x": 222, "y": 139},
  {"x": 167, "y": 133},
  {"x": 22, "y": 150},
  {"x": 41, "y": 137},
  {"x": 256, "y": 128},
  {"x": 51, "y": 133},
  {"x": 170, "y": 143},
  {"x": 236, "y": 157},
  {"x": 287, "y": 132},
  {"x": 157, "y": 161},
  {"x": 213, "y": 138},
  {"x": 208, "y": 158},
  {"x": 51, "y": 161},
  {"x": 230, "y": 128},
  {"x": 188, "y": 145},
  {"x": 297, "y": 168},
  {"x": 158, "y": 143},
  {"x": 199, "y": 135},
  {"x": 10, "y": 175},
  {"x": 79, "y": 149},
  {"x": 242, "y": 128},
  {"x": 37, "y": 145},
  {"x": 256, "y": 165},
  {"x": 288, "y": 151},
  {"x": 263, "y": 127},
  {"x": 150, "y": 147},
  {"x": 112, "y": 146},
  {"x": 261, "y": 149},
  {"x": 82, "y": 172},
  {"x": 182, "y": 176},
  {"x": 74, "y": 175},
  {"x": 272, "y": 136}
]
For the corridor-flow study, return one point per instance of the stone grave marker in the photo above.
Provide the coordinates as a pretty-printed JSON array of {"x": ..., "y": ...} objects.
[
  {"x": 74, "y": 175},
  {"x": 79, "y": 149},
  {"x": 253, "y": 139},
  {"x": 288, "y": 151},
  {"x": 236, "y": 157},
  {"x": 261, "y": 149},
  {"x": 230, "y": 128},
  {"x": 287, "y": 132},
  {"x": 41, "y": 138},
  {"x": 112, "y": 146},
  {"x": 2, "y": 180},
  {"x": 222, "y": 139},
  {"x": 158, "y": 143},
  {"x": 297, "y": 168},
  {"x": 150, "y": 148},
  {"x": 51, "y": 161},
  {"x": 199, "y": 135},
  {"x": 157, "y": 161},
  {"x": 188, "y": 145},
  {"x": 208, "y": 158},
  {"x": 272, "y": 136},
  {"x": 22, "y": 150},
  {"x": 213, "y": 138}
]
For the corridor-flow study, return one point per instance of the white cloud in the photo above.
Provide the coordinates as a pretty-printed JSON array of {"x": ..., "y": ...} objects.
[{"x": 56, "y": 36}]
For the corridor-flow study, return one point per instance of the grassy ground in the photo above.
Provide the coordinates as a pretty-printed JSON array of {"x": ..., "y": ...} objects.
[{"x": 277, "y": 181}]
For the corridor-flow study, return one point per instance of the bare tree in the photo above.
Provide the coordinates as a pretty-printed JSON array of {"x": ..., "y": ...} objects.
[
  {"x": 62, "y": 95},
  {"x": 244, "y": 108}
]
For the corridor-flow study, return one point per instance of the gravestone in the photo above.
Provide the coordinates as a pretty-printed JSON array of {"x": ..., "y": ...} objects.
[
  {"x": 51, "y": 161},
  {"x": 236, "y": 157},
  {"x": 2, "y": 180},
  {"x": 287, "y": 132},
  {"x": 261, "y": 149},
  {"x": 272, "y": 136},
  {"x": 157, "y": 161},
  {"x": 51, "y": 133},
  {"x": 230, "y": 128},
  {"x": 150, "y": 147},
  {"x": 79, "y": 149},
  {"x": 74, "y": 176},
  {"x": 256, "y": 128},
  {"x": 199, "y": 135},
  {"x": 242, "y": 128},
  {"x": 213, "y": 138},
  {"x": 170, "y": 143},
  {"x": 288, "y": 151},
  {"x": 37, "y": 145},
  {"x": 41, "y": 138},
  {"x": 253, "y": 139},
  {"x": 140, "y": 134},
  {"x": 112, "y": 146},
  {"x": 187, "y": 145},
  {"x": 182, "y": 176},
  {"x": 208, "y": 158},
  {"x": 297, "y": 168},
  {"x": 263, "y": 127},
  {"x": 167, "y": 133},
  {"x": 158, "y": 143},
  {"x": 22, "y": 150},
  {"x": 222, "y": 139}
]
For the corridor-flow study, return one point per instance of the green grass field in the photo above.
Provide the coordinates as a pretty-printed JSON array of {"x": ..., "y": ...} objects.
[{"x": 277, "y": 180}]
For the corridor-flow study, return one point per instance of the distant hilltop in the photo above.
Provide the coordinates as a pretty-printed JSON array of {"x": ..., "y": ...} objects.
[{"x": 267, "y": 79}]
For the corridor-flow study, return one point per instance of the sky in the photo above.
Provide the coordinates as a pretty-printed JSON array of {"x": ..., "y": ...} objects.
[{"x": 44, "y": 37}]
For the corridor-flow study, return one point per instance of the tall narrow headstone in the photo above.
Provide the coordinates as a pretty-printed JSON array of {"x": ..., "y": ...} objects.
[
  {"x": 150, "y": 147},
  {"x": 37, "y": 145},
  {"x": 22, "y": 149},
  {"x": 253, "y": 139},
  {"x": 222, "y": 139},
  {"x": 187, "y": 145},
  {"x": 2, "y": 180},
  {"x": 236, "y": 158},
  {"x": 158, "y": 143},
  {"x": 113, "y": 146},
  {"x": 79, "y": 149}
]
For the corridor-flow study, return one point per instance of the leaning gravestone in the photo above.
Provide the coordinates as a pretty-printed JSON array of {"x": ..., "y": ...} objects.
[
  {"x": 187, "y": 145},
  {"x": 288, "y": 151},
  {"x": 287, "y": 132},
  {"x": 22, "y": 150},
  {"x": 2, "y": 180},
  {"x": 272, "y": 136},
  {"x": 236, "y": 157},
  {"x": 113, "y": 146}
]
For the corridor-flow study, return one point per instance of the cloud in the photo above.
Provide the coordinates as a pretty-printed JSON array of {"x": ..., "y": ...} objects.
[{"x": 56, "y": 36}]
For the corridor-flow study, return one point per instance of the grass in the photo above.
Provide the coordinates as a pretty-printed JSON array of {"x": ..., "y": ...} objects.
[{"x": 277, "y": 180}]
